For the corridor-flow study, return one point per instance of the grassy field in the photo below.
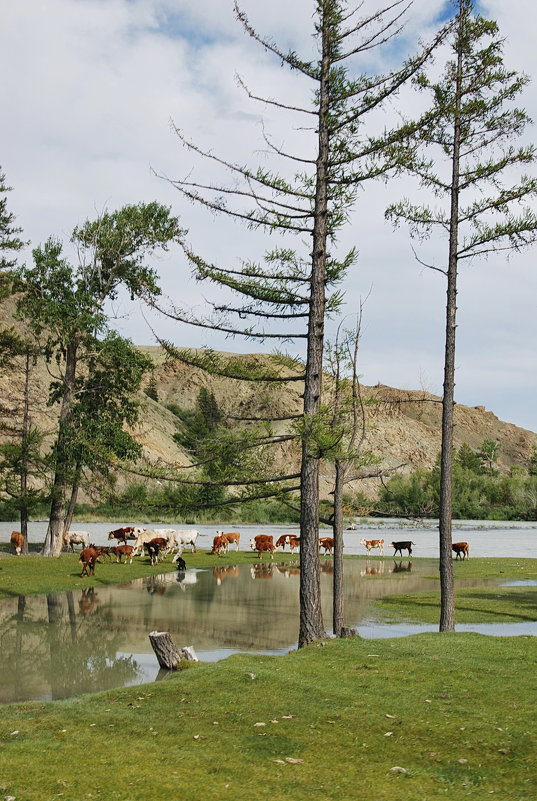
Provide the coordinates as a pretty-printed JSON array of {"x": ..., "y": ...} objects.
[{"x": 414, "y": 719}]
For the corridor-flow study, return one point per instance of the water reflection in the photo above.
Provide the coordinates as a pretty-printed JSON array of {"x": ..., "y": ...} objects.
[{"x": 59, "y": 645}]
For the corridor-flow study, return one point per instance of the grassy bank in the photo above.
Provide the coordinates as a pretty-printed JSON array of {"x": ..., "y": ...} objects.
[
  {"x": 491, "y": 602},
  {"x": 426, "y": 717},
  {"x": 33, "y": 574}
]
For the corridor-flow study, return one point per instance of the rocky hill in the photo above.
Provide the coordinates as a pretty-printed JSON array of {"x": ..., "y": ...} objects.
[{"x": 403, "y": 427}]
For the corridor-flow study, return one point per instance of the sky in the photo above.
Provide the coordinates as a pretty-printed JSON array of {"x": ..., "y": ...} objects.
[{"x": 91, "y": 91}]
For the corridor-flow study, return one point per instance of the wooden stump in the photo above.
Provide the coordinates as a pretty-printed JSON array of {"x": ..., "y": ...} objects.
[{"x": 166, "y": 652}]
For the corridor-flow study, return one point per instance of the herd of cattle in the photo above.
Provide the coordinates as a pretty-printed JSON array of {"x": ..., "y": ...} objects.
[{"x": 159, "y": 543}]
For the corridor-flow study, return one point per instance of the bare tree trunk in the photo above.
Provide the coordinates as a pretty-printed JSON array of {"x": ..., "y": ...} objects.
[
  {"x": 337, "y": 526},
  {"x": 311, "y": 619},
  {"x": 447, "y": 590},
  {"x": 25, "y": 455},
  {"x": 72, "y": 500},
  {"x": 54, "y": 537}
]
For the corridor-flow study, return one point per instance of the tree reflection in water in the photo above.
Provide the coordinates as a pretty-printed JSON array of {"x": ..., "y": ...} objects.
[{"x": 49, "y": 652}]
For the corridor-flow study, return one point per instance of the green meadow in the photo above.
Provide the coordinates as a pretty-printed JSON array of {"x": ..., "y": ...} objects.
[{"x": 412, "y": 719}]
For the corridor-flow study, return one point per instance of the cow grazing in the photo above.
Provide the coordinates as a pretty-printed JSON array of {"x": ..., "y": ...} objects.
[
  {"x": 155, "y": 547},
  {"x": 369, "y": 545},
  {"x": 461, "y": 549},
  {"x": 72, "y": 538},
  {"x": 294, "y": 542},
  {"x": 327, "y": 543},
  {"x": 219, "y": 545},
  {"x": 404, "y": 545},
  {"x": 262, "y": 543},
  {"x": 125, "y": 533},
  {"x": 17, "y": 542},
  {"x": 229, "y": 537},
  {"x": 88, "y": 557},
  {"x": 284, "y": 540},
  {"x": 121, "y": 551}
]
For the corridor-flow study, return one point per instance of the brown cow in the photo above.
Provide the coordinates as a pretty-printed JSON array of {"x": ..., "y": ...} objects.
[
  {"x": 229, "y": 537},
  {"x": 88, "y": 557},
  {"x": 219, "y": 545},
  {"x": 17, "y": 542},
  {"x": 123, "y": 550},
  {"x": 461, "y": 548},
  {"x": 262, "y": 543},
  {"x": 327, "y": 543}
]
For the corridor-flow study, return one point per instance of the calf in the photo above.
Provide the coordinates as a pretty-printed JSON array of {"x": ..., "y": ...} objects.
[
  {"x": 461, "y": 548},
  {"x": 123, "y": 550},
  {"x": 402, "y": 546},
  {"x": 262, "y": 543},
  {"x": 327, "y": 543},
  {"x": 294, "y": 542},
  {"x": 370, "y": 544},
  {"x": 87, "y": 558},
  {"x": 17, "y": 542},
  {"x": 229, "y": 537}
]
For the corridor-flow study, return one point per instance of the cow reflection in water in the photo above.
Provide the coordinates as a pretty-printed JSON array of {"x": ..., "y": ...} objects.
[
  {"x": 88, "y": 600},
  {"x": 224, "y": 572},
  {"x": 288, "y": 570},
  {"x": 399, "y": 567},
  {"x": 373, "y": 568},
  {"x": 262, "y": 571}
]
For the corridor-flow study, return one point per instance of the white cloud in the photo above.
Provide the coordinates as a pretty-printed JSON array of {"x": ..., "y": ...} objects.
[{"x": 91, "y": 87}]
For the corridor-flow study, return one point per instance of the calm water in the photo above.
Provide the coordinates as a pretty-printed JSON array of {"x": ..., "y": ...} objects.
[{"x": 60, "y": 645}]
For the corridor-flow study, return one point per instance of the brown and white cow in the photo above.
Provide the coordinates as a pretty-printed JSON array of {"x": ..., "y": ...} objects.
[
  {"x": 229, "y": 537},
  {"x": 125, "y": 533},
  {"x": 283, "y": 540},
  {"x": 370, "y": 545},
  {"x": 17, "y": 542},
  {"x": 461, "y": 549},
  {"x": 72, "y": 538},
  {"x": 219, "y": 545},
  {"x": 262, "y": 543}
]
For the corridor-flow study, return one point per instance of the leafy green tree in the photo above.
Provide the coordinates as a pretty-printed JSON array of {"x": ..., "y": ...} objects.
[
  {"x": 288, "y": 293},
  {"x": 468, "y": 458},
  {"x": 468, "y": 163},
  {"x": 64, "y": 308},
  {"x": 10, "y": 241},
  {"x": 488, "y": 455}
]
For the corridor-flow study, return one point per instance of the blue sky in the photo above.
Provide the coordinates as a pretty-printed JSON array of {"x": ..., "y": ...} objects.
[{"x": 91, "y": 88}]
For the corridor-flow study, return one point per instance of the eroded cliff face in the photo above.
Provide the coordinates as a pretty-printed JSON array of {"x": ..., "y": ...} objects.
[{"x": 403, "y": 426}]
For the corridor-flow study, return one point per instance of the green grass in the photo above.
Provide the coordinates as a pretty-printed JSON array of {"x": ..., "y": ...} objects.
[
  {"x": 489, "y": 602},
  {"x": 455, "y": 712}
]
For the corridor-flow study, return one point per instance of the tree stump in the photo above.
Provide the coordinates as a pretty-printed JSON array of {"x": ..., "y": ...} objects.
[{"x": 166, "y": 652}]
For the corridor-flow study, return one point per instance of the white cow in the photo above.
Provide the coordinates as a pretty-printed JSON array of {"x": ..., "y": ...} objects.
[
  {"x": 182, "y": 538},
  {"x": 72, "y": 538}
]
